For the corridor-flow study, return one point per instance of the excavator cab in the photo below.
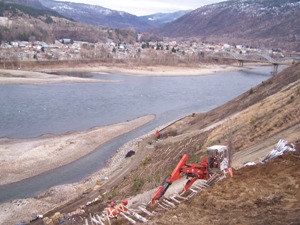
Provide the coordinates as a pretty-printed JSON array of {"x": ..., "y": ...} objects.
[{"x": 218, "y": 159}]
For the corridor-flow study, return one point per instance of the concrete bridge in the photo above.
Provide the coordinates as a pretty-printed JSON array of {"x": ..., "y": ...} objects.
[{"x": 255, "y": 58}]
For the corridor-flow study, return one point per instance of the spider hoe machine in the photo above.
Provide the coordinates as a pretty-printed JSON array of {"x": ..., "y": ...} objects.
[{"x": 216, "y": 163}]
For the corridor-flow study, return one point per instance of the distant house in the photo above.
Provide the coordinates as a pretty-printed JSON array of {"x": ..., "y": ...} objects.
[
  {"x": 14, "y": 43},
  {"x": 122, "y": 48}
]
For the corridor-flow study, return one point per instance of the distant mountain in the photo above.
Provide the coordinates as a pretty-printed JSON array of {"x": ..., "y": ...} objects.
[
  {"x": 159, "y": 19},
  {"x": 28, "y": 7},
  {"x": 267, "y": 23},
  {"x": 22, "y": 22},
  {"x": 97, "y": 15},
  {"x": 29, "y": 3}
]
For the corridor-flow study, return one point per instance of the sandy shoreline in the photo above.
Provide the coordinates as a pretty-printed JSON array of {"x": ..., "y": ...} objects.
[
  {"x": 24, "y": 158},
  {"x": 22, "y": 210},
  {"x": 150, "y": 70},
  {"x": 45, "y": 75}
]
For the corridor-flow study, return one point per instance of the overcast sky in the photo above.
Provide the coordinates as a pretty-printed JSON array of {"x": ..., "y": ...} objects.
[{"x": 147, "y": 7}]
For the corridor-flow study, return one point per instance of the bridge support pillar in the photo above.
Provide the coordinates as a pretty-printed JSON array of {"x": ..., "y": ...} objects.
[
  {"x": 241, "y": 63},
  {"x": 275, "y": 68}
]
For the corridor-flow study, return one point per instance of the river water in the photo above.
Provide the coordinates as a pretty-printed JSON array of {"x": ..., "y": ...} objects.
[{"x": 33, "y": 110}]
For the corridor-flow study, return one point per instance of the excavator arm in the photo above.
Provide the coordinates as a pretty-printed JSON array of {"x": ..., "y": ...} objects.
[
  {"x": 174, "y": 176},
  {"x": 192, "y": 171}
]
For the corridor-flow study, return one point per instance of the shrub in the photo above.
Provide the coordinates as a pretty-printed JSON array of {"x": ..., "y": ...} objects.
[
  {"x": 251, "y": 91},
  {"x": 146, "y": 161},
  {"x": 137, "y": 185},
  {"x": 48, "y": 20}
]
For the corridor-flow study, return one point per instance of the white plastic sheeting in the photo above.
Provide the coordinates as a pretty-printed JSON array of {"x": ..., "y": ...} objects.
[{"x": 280, "y": 148}]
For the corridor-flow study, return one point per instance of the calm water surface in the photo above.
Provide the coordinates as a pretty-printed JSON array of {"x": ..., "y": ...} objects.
[{"x": 33, "y": 110}]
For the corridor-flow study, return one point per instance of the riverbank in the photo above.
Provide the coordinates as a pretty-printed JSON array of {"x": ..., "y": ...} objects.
[
  {"x": 22, "y": 210},
  {"x": 32, "y": 77},
  {"x": 204, "y": 69},
  {"x": 24, "y": 158},
  {"x": 47, "y": 75}
]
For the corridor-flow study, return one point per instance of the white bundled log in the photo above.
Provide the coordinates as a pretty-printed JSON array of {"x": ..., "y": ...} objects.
[
  {"x": 162, "y": 206},
  {"x": 198, "y": 187},
  {"x": 174, "y": 199},
  {"x": 86, "y": 222},
  {"x": 100, "y": 218},
  {"x": 202, "y": 184},
  {"x": 193, "y": 190},
  {"x": 145, "y": 211},
  {"x": 95, "y": 220},
  {"x": 108, "y": 219},
  {"x": 280, "y": 148},
  {"x": 181, "y": 197},
  {"x": 138, "y": 216},
  {"x": 128, "y": 218},
  {"x": 221, "y": 177},
  {"x": 192, "y": 194},
  {"x": 212, "y": 179},
  {"x": 169, "y": 203}
]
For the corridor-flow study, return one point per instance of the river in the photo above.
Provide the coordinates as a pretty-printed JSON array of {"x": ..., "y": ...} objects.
[{"x": 33, "y": 110}]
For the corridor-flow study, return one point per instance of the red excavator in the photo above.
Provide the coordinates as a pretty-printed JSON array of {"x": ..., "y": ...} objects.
[{"x": 218, "y": 161}]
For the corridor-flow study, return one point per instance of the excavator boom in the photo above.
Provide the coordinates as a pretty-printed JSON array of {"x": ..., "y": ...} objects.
[{"x": 174, "y": 176}]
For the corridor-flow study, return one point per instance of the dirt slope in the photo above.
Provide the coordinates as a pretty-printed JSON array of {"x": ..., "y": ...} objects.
[
  {"x": 262, "y": 194},
  {"x": 250, "y": 125}
]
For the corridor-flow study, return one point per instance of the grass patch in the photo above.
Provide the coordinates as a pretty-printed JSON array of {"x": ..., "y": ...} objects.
[
  {"x": 146, "y": 161},
  {"x": 113, "y": 194},
  {"x": 137, "y": 185},
  {"x": 157, "y": 178}
]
